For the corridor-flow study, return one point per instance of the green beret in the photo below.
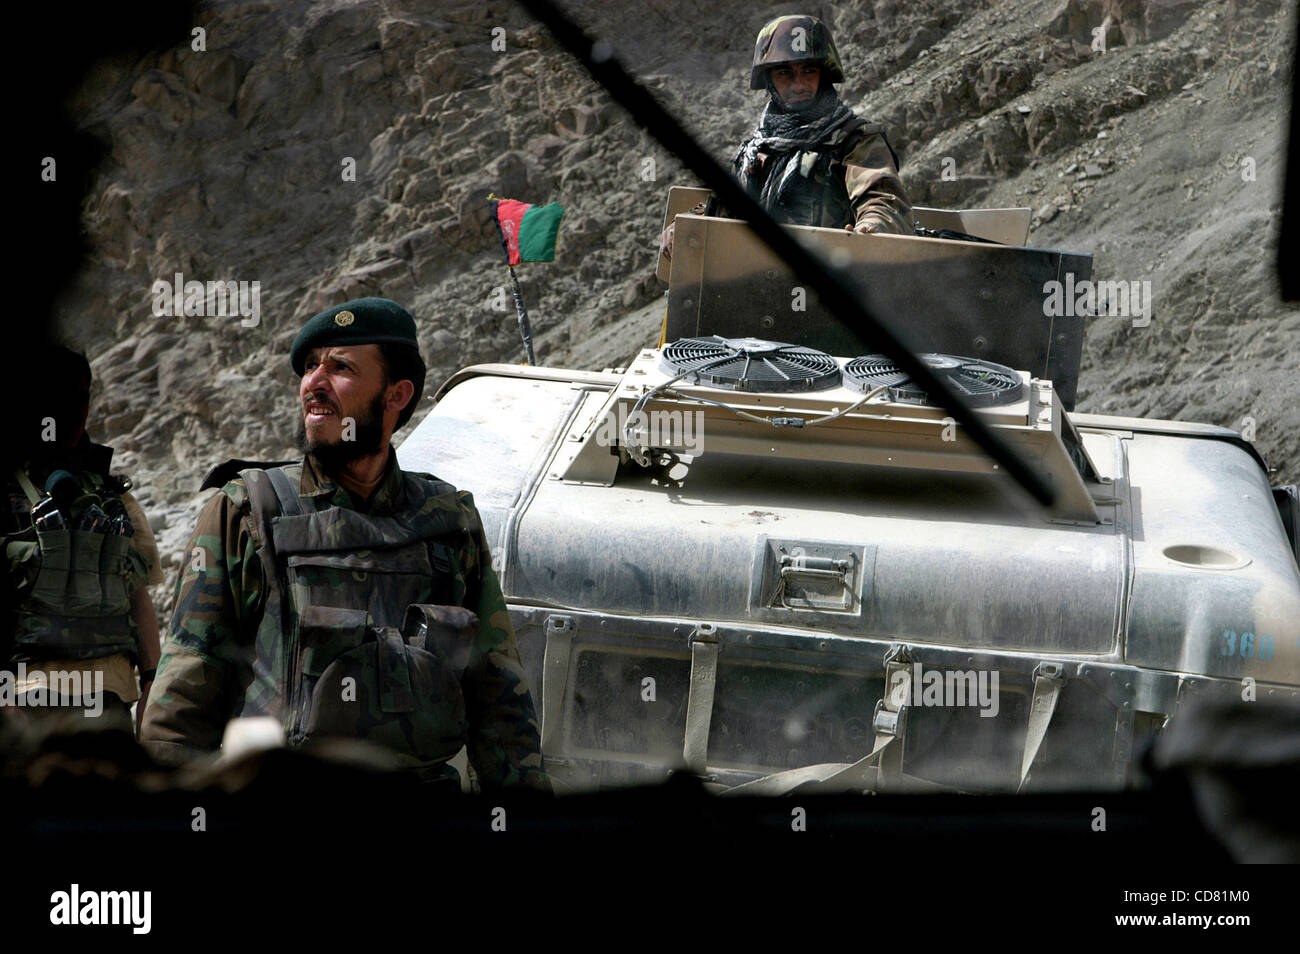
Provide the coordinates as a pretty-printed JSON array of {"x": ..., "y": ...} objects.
[{"x": 360, "y": 321}]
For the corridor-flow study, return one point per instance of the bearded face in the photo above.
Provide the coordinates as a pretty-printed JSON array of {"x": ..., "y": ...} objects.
[
  {"x": 332, "y": 448},
  {"x": 343, "y": 398}
]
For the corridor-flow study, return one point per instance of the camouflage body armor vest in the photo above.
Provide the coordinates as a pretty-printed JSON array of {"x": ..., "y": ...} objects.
[
  {"x": 361, "y": 634},
  {"x": 73, "y": 586}
]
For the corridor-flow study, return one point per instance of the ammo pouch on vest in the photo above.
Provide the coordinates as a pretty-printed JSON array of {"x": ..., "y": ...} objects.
[
  {"x": 400, "y": 689},
  {"x": 330, "y": 657},
  {"x": 75, "y": 598}
]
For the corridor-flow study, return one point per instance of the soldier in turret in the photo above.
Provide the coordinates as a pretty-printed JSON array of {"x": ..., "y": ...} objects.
[
  {"x": 811, "y": 160},
  {"x": 343, "y": 595}
]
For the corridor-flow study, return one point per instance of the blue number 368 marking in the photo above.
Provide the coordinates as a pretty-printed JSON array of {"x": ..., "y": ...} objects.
[{"x": 1247, "y": 646}]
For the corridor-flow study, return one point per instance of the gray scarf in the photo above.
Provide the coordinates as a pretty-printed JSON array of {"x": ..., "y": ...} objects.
[{"x": 785, "y": 135}]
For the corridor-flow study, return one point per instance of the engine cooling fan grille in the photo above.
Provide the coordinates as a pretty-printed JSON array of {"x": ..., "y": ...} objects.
[
  {"x": 981, "y": 383},
  {"x": 751, "y": 364}
]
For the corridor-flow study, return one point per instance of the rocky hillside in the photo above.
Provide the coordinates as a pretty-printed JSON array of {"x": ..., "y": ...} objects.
[{"x": 333, "y": 149}]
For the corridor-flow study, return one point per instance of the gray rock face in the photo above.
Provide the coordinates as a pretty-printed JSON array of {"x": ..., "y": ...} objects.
[{"x": 332, "y": 149}]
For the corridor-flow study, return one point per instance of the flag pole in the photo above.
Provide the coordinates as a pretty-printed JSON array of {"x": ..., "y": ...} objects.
[{"x": 525, "y": 331}]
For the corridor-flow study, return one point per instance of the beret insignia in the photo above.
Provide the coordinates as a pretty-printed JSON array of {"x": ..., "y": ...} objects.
[{"x": 356, "y": 322}]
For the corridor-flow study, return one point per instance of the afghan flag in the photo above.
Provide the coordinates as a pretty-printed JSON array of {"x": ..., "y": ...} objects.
[{"x": 528, "y": 232}]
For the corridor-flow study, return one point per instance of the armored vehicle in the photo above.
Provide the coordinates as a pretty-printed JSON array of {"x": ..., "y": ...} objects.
[{"x": 760, "y": 556}]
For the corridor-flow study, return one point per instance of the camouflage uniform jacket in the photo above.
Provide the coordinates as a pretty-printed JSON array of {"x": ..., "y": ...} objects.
[
  {"x": 206, "y": 673},
  {"x": 853, "y": 181}
]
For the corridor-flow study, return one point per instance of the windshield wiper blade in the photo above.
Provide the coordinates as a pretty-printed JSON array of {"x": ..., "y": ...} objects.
[{"x": 836, "y": 295}]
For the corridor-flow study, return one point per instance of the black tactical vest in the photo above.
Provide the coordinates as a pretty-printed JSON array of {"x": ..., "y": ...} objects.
[
  {"x": 72, "y": 588},
  {"x": 817, "y": 195},
  {"x": 335, "y": 653}
]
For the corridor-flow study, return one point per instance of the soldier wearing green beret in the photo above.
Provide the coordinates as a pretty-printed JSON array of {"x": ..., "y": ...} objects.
[{"x": 343, "y": 595}]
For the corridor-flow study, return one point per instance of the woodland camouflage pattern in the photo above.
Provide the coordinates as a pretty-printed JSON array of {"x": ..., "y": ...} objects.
[
  {"x": 778, "y": 44},
  {"x": 351, "y": 575},
  {"x": 862, "y": 185}
]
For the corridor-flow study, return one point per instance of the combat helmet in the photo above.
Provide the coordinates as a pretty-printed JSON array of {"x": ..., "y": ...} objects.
[{"x": 795, "y": 39}]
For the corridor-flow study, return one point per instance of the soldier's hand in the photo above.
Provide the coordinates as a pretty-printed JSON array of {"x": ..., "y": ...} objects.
[
  {"x": 866, "y": 228},
  {"x": 666, "y": 241}
]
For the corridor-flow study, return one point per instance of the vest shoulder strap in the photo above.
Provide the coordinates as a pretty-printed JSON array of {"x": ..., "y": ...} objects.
[
  {"x": 866, "y": 131},
  {"x": 33, "y": 495},
  {"x": 264, "y": 507},
  {"x": 272, "y": 491},
  {"x": 286, "y": 494},
  {"x": 460, "y": 515},
  {"x": 433, "y": 487},
  {"x": 225, "y": 472}
]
